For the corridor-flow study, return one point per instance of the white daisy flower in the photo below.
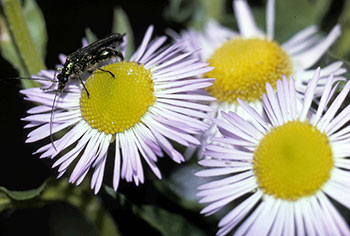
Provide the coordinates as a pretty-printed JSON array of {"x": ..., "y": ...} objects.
[
  {"x": 244, "y": 61},
  {"x": 284, "y": 172},
  {"x": 152, "y": 100}
]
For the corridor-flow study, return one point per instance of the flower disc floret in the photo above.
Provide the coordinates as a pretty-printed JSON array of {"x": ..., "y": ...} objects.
[
  {"x": 116, "y": 104},
  {"x": 293, "y": 160},
  {"x": 244, "y": 66}
]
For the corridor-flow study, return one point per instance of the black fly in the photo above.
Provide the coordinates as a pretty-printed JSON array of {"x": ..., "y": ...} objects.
[{"x": 86, "y": 59}]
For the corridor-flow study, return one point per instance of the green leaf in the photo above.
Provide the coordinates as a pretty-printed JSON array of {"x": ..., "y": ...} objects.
[
  {"x": 183, "y": 184},
  {"x": 169, "y": 224},
  {"x": 12, "y": 199},
  {"x": 90, "y": 36},
  {"x": 180, "y": 10},
  {"x": 121, "y": 24},
  {"x": 64, "y": 219},
  {"x": 8, "y": 49},
  {"x": 166, "y": 222},
  {"x": 196, "y": 12},
  {"x": 36, "y": 25},
  {"x": 22, "y": 195},
  {"x": 208, "y": 9},
  {"x": 342, "y": 47},
  {"x": 82, "y": 198},
  {"x": 17, "y": 45},
  {"x": 293, "y": 16}
]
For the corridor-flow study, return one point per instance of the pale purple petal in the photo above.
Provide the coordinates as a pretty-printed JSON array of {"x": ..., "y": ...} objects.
[{"x": 141, "y": 50}]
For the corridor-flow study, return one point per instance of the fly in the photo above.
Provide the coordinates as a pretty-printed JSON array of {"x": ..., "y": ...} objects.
[{"x": 88, "y": 58}]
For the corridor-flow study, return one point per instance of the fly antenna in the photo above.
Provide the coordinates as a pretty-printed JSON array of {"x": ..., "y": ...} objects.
[
  {"x": 51, "y": 119},
  {"x": 54, "y": 79},
  {"x": 26, "y": 78}
]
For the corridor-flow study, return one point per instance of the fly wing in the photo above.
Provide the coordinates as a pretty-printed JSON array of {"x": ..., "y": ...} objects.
[{"x": 111, "y": 41}]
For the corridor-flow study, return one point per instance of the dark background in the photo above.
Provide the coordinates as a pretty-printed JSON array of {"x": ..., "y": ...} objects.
[{"x": 66, "y": 21}]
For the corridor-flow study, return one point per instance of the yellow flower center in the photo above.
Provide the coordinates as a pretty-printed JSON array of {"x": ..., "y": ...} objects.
[
  {"x": 242, "y": 67},
  {"x": 293, "y": 160},
  {"x": 116, "y": 104}
]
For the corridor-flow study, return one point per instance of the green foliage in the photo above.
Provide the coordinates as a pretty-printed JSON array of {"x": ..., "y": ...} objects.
[
  {"x": 36, "y": 25},
  {"x": 90, "y": 36},
  {"x": 10, "y": 198},
  {"x": 293, "y": 16},
  {"x": 166, "y": 222},
  {"x": 55, "y": 191},
  {"x": 195, "y": 13},
  {"x": 121, "y": 24},
  {"x": 23, "y": 40},
  {"x": 83, "y": 199},
  {"x": 23, "y": 43},
  {"x": 342, "y": 48}
]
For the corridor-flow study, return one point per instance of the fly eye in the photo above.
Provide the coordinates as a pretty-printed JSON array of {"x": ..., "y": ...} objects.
[{"x": 104, "y": 53}]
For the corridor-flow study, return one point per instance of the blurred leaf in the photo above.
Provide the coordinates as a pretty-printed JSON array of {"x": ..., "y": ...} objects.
[
  {"x": 22, "y": 195},
  {"x": 197, "y": 12},
  {"x": 292, "y": 16},
  {"x": 342, "y": 47},
  {"x": 36, "y": 25},
  {"x": 82, "y": 198},
  {"x": 207, "y": 9},
  {"x": 17, "y": 44},
  {"x": 331, "y": 57},
  {"x": 8, "y": 49},
  {"x": 180, "y": 10},
  {"x": 65, "y": 219},
  {"x": 183, "y": 183},
  {"x": 8, "y": 197},
  {"x": 167, "y": 223},
  {"x": 90, "y": 36},
  {"x": 121, "y": 24},
  {"x": 55, "y": 190}
]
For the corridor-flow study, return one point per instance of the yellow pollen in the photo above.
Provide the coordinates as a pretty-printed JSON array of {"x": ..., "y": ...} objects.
[
  {"x": 293, "y": 161},
  {"x": 116, "y": 104},
  {"x": 242, "y": 67}
]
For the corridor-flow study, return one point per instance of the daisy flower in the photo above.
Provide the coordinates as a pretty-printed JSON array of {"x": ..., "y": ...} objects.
[
  {"x": 285, "y": 173},
  {"x": 244, "y": 61},
  {"x": 151, "y": 101}
]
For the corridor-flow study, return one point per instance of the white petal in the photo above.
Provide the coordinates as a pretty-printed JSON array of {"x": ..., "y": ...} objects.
[
  {"x": 324, "y": 98},
  {"x": 229, "y": 221},
  {"x": 300, "y": 37},
  {"x": 117, "y": 161},
  {"x": 268, "y": 218},
  {"x": 311, "y": 56},
  {"x": 328, "y": 116},
  {"x": 270, "y": 18},
  {"x": 245, "y": 19},
  {"x": 309, "y": 95}
]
